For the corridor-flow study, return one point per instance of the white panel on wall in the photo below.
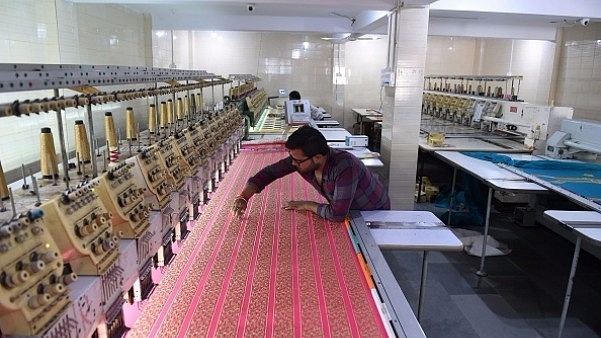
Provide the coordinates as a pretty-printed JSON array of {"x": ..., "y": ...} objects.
[
  {"x": 579, "y": 74},
  {"x": 450, "y": 55},
  {"x": 111, "y": 34},
  {"x": 364, "y": 61}
]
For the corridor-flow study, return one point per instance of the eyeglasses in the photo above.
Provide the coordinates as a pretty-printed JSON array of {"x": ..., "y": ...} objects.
[{"x": 299, "y": 162}]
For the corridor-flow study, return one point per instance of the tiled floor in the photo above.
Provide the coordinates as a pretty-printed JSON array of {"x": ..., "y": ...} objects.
[{"x": 522, "y": 295}]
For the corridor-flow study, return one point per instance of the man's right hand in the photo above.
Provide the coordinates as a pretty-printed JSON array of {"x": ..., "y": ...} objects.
[{"x": 239, "y": 207}]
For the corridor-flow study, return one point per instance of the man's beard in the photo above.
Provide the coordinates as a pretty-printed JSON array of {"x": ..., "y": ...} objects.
[{"x": 309, "y": 169}]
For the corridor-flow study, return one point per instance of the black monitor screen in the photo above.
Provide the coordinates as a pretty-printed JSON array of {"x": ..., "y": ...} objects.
[{"x": 298, "y": 108}]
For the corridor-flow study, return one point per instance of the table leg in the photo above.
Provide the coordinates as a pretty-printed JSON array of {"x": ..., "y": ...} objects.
[
  {"x": 422, "y": 285},
  {"x": 481, "y": 272},
  {"x": 421, "y": 174},
  {"x": 566, "y": 301},
  {"x": 361, "y": 132},
  {"x": 452, "y": 196}
]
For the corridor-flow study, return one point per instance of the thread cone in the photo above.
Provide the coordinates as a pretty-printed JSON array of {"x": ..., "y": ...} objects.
[
  {"x": 48, "y": 161},
  {"x": 170, "y": 111},
  {"x": 163, "y": 119},
  {"x": 130, "y": 124},
  {"x": 82, "y": 145},
  {"x": 111, "y": 138},
  {"x": 152, "y": 118},
  {"x": 4, "y": 195}
]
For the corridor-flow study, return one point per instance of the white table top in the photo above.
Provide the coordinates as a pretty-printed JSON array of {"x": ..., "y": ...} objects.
[
  {"x": 327, "y": 123},
  {"x": 374, "y": 118},
  {"x": 334, "y": 134},
  {"x": 574, "y": 218},
  {"x": 366, "y": 112},
  {"x": 429, "y": 235},
  {"x": 476, "y": 144},
  {"x": 592, "y": 234},
  {"x": 585, "y": 223},
  {"x": 399, "y": 216},
  {"x": 480, "y": 168},
  {"x": 369, "y": 158},
  {"x": 521, "y": 186}
]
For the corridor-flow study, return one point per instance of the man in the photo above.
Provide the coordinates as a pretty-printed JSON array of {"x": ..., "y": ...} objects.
[
  {"x": 316, "y": 112},
  {"x": 337, "y": 175}
]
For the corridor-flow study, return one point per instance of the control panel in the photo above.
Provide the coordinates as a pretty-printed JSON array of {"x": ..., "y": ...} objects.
[
  {"x": 82, "y": 229},
  {"x": 124, "y": 199},
  {"x": 33, "y": 279},
  {"x": 149, "y": 173},
  {"x": 174, "y": 163}
]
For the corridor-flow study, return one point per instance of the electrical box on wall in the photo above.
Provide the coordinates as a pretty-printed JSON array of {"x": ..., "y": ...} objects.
[{"x": 386, "y": 77}]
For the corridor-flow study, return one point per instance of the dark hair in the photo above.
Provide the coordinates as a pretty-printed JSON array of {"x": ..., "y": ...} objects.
[
  {"x": 310, "y": 140},
  {"x": 294, "y": 95}
]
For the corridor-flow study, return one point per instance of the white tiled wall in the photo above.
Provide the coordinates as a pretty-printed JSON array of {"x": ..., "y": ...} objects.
[
  {"x": 474, "y": 56},
  {"x": 363, "y": 88},
  {"x": 28, "y": 32},
  {"x": 281, "y": 60},
  {"x": 451, "y": 55},
  {"x": 48, "y": 32}
]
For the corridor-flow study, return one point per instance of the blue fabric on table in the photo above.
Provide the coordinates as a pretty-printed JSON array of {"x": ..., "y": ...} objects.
[{"x": 583, "y": 179}]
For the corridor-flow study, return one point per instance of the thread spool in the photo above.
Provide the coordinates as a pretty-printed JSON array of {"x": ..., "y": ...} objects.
[
  {"x": 6, "y": 110},
  {"x": 38, "y": 106},
  {"x": 179, "y": 109},
  {"x": 4, "y": 194},
  {"x": 169, "y": 111},
  {"x": 52, "y": 104},
  {"x": 69, "y": 102},
  {"x": 186, "y": 106},
  {"x": 192, "y": 101},
  {"x": 163, "y": 117},
  {"x": 198, "y": 102},
  {"x": 24, "y": 108},
  {"x": 152, "y": 118},
  {"x": 82, "y": 145},
  {"x": 109, "y": 130},
  {"x": 83, "y": 101},
  {"x": 97, "y": 99},
  {"x": 111, "y": 138},
  {"x": 130, "y": 124},
  {"x": 48, "y": 161}
]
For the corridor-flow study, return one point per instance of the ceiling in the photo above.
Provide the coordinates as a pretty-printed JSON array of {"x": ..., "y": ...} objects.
[{"x": 536, "y": 19}]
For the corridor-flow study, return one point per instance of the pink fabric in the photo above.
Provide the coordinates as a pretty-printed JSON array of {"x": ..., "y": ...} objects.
[{"x": 273, "y": 273}]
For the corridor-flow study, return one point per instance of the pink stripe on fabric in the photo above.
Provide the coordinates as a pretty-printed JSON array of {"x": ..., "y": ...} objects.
[
  {"x": 327, "y": 331},
  {"x": 212, "y": 332},
  {"x": 251, "y": 272},
  {"x": 201, "y": 284},
  {"x": 296, "y": 315},
  {"x": 180, "y": 280},
  {"x": 348, "y": 307},
  {"x": 270, "y": 323}
]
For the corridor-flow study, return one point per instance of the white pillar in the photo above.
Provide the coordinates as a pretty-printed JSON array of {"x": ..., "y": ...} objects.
[{"x": 402, "y": 107}]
